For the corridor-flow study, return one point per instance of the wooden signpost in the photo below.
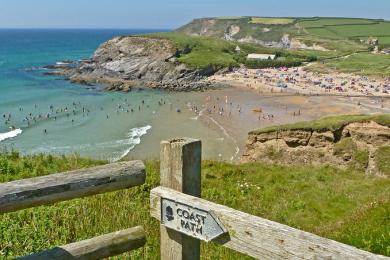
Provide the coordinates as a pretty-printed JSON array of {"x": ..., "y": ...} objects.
[
  {"x": 180, "y": 168},
  {"x": 186, "y": 219}
]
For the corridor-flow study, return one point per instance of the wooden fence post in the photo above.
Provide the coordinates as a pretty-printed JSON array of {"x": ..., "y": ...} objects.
[{"x": 180, "y": 169}]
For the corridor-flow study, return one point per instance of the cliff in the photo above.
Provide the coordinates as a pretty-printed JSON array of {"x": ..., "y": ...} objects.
[
  {"x": 360, "y": 142},
  {"x": 245, "y": 30},
  {"x": 311, "y": 33},
  {"x": 124, "y": 62}
]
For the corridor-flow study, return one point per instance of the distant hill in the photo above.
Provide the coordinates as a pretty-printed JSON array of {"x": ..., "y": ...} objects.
[{"x": 287, "y": 32}]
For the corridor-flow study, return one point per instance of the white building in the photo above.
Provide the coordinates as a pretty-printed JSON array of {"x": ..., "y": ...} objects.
[{"x": 254, "y": 56}]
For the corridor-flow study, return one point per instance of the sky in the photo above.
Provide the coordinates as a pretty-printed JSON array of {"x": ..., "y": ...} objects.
[{"x": 170, "y": 14}]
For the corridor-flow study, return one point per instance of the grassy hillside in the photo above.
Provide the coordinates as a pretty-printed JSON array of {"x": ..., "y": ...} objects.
[
  {"x": 342, "y": 28},
  {"x": 338, "y": 43},
  {"x": 273, "y": 29},
  {"x": 249, "y": 26},
  {"x": 365, "y": 64},
  {"x": 203, "y": 52},
  {"x": 343, "y": 205}
]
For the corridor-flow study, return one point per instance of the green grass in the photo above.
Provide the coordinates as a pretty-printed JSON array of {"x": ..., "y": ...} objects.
[
  {"x": 359, "y": 158},
  {"x": 320, "y": 22},
  {"x": 331, "y": 123},
  {"x": 229, "y": 17},
  {"x": 383, "y": 159},
  {"x": 271, "y": 20},
  {"x": 379, "y": 29},
  {"x": 343, "y": 205},
  {"x": 336, "y": 29},
  {"x": 384, "y": 40},
  {"x": 203, "y": 52},
  {"x": 345, "y": 145},
  {"x": 339, "y": 36},
  {"x": 366, "y": 64},
  {"x": 323, "y": 33},
  {"x": 336, "y": 34},
  {"x": 14, "y": 166}
]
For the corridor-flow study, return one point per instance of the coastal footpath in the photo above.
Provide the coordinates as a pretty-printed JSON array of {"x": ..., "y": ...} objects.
[{"x": 361, "y": 142}]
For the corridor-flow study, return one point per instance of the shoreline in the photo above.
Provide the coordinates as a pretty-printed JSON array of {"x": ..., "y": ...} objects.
[
  {"x": 279, "y": 108},
  {"x": 300, "y": 82}
]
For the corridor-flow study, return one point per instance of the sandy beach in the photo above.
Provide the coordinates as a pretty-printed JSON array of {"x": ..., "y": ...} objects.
[
  {"x": 230, "y": 112},
  {"x": 299, "y": 81}
]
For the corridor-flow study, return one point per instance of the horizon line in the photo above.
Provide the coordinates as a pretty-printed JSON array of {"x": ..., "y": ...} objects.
[{"x": 83, "y": 28}]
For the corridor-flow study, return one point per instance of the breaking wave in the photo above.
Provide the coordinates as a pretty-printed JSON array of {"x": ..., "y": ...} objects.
[
  {"x": 134, "y": 135},
  {"x": 10, "y": 134},
  {"x": 113, "y": 150}
]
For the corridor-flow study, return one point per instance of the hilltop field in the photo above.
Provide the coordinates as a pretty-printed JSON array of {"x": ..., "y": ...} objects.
[
  {"x": 308, "y": 30},
  {"x": 328, "y": 41}
]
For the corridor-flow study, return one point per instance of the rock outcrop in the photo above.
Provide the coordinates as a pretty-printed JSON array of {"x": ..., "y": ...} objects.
[
  {"x": 353, "y": 145},
  {"x": 125, "y": 62},
  {"x": 245, "y": 31}
]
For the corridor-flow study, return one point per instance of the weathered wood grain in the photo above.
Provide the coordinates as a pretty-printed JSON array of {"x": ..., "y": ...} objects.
[
  {"x": 48, "y": 189},
  {"x": 261, "y": 238},
  {"x": 96, "y": 248},
  {"x": 180, "y": 168}
]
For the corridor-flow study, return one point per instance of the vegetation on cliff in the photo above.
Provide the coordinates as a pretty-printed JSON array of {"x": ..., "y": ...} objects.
[
  {"x": 365, "y": 64},
  {"x": 198, "y": 52},
  {"x": 339, "y": 43},
  {"x": 344, "y": 205},
  {"x": 331, "y": 123},
  {"x": 383, "y": 159},
  {"x": 360, "y": 142},
  {"x": 273, "y": 29}
]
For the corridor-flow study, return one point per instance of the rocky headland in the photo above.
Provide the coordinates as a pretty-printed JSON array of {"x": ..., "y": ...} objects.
[
  {"x": 358, "y": 144},
  {"x": 134, "y": 61}
]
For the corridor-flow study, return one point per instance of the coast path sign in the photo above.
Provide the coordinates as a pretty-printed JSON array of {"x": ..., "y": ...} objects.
[
  {"x": 189, "y": 220},
  {"x": 186, "y": 219}
]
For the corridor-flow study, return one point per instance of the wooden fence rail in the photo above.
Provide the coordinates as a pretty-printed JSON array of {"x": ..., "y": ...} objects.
[
  {"x": 96, "y": 248},
  {"x": 186, "y": 218},
  {"x": 261, "y": 238},
  {"x": 48, "y": 189}
]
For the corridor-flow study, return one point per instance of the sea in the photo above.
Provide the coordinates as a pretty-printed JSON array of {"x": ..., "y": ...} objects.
[{"x": 47, "y": 114}]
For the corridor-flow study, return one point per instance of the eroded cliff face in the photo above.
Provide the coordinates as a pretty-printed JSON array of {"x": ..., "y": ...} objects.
[
  {"x": 244, "y": 31},
  {"x": 124, "y": 62},
  {"x": 354, "y": 145}
]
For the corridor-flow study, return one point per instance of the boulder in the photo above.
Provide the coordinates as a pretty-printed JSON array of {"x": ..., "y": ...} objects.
[
  {"x": 294, "y": 138},
  {"x": 321, "y": 139}
]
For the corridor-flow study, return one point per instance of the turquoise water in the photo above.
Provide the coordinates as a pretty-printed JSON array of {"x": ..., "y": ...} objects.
[
  {"x": 27, "y": 96},
  {"x": 45, "y": 114}
]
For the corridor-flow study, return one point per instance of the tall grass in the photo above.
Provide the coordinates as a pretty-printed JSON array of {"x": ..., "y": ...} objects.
[{"x": 343, "y": 205}]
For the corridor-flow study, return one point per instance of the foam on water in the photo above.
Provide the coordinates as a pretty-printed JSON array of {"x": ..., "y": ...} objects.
[
  {"x": 10, "y": 134},
  {"x": 134, "y": 135},
  {"x": 118, "y": 148}
]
